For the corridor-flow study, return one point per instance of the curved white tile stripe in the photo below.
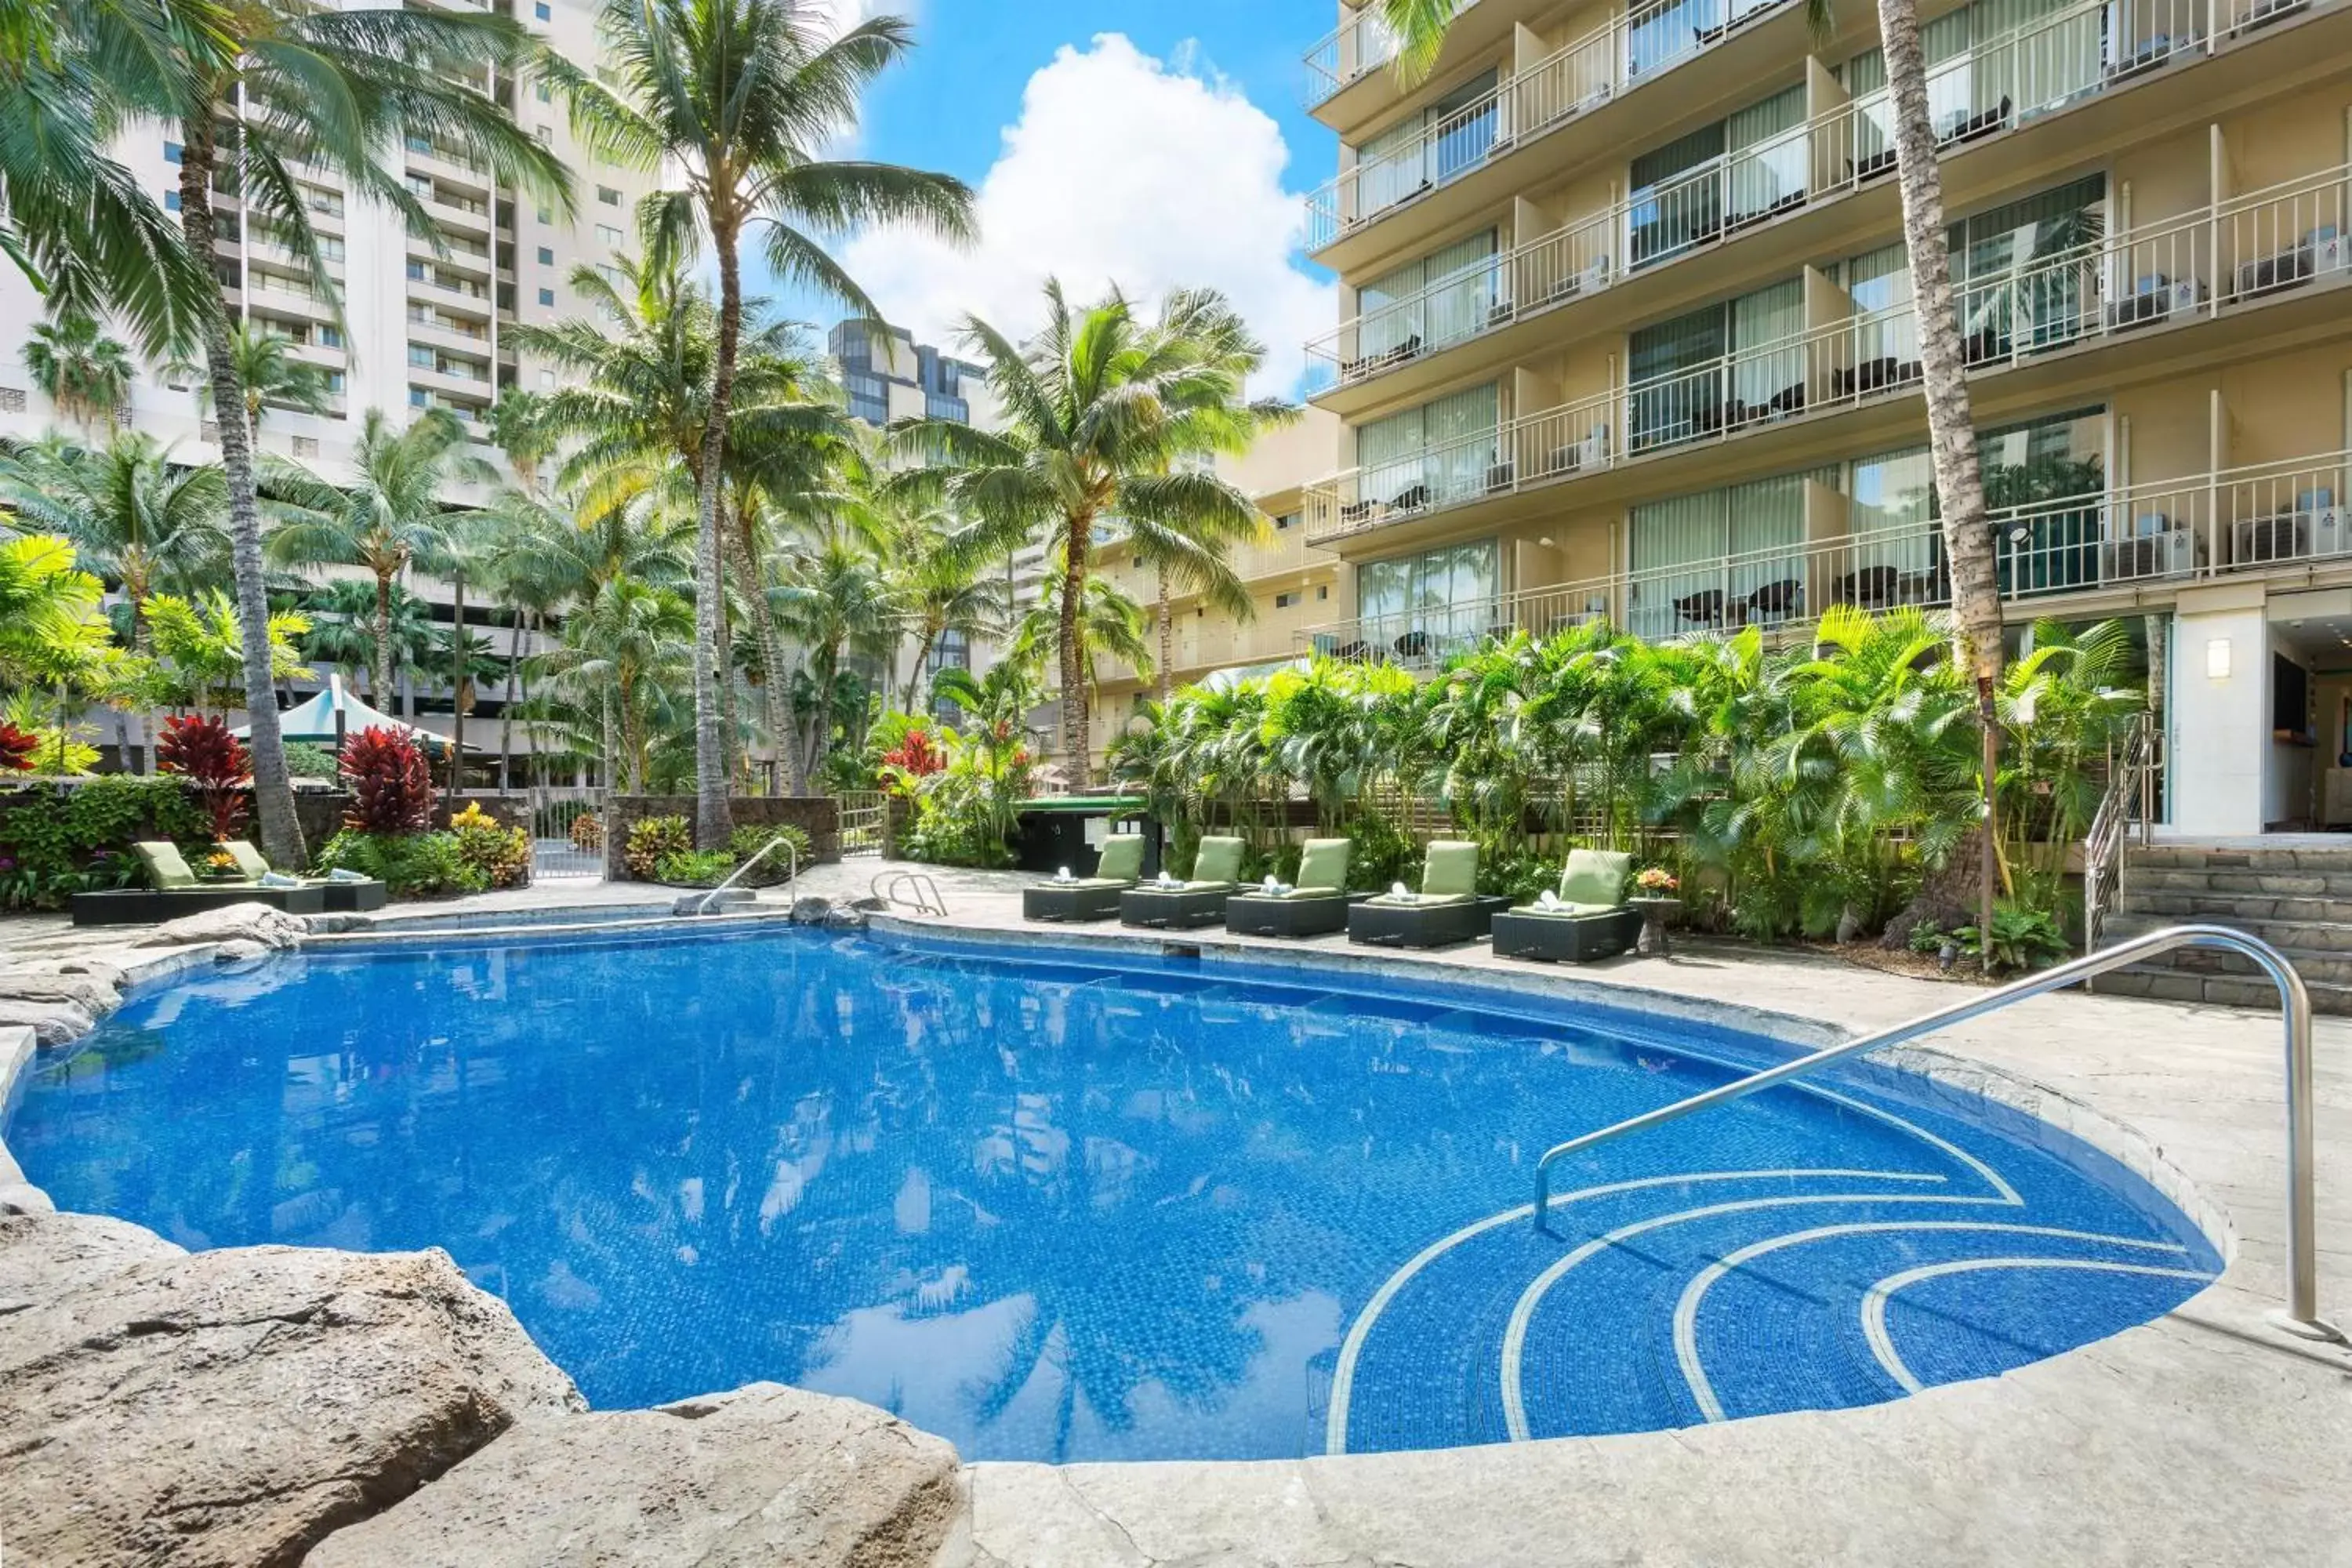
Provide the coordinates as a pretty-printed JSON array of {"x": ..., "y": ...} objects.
[
  {"x": 1343, "y": 1377},
  {"x": 1695, "y": 1293},
  {"x": 1874, "y": 1302}
]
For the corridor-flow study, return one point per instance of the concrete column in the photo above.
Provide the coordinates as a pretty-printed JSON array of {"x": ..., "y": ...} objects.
[{"x": 2217, "y": 723}]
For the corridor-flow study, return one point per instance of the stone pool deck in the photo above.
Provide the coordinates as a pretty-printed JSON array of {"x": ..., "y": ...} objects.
[{"x": 2207, "y": 1437}]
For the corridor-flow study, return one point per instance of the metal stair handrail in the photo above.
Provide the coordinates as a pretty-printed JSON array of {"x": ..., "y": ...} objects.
[
  {"x": 792, "y": 876},
  {"x": 2131, "y": 800},
  {"x": 926, "y": 897},
  {"x": 2302, "y": 1312}
]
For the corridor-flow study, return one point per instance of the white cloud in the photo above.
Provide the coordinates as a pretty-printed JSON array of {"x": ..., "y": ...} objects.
[{"x": 1125, "y": 169}]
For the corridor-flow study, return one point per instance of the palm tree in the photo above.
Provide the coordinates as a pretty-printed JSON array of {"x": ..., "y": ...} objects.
[
  {"x": 1420, "y": 27},
  {"x": 940, "y": 590},
  {"x": 620, "y": 648},
  {"x": 837, "y": 601},
  {"x": 269, "y": 374},
  {"x": 645, "y": 358},
  {"x": 745, "y": 95},
  {"x": 521, "y": 428},
  {"x": 1100, "y": 409},
  {"x": 335, "y": 91},
  {"x": 344, "y": 632},
  {"x": 390, "y": 518},
  {"x": 1109, "y": 626},
  {"x": 131, "y": 513},
  {"x": 83, "y": 371}
]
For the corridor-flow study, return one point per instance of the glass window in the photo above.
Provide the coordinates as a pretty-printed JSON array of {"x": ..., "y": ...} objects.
[
  {"x": 330, "y": 337},
  {"x": 171, "y": 201},
  {"x": 547, "y": 296},
  {"x": 335, "y": 382},
  {"x": 1722, "y": 558},
  {"x": 1767, "y": 144},
  {"x": 1428, "y": 148},
  {"x": 608, "y": 237},
  {"x": 608, "y": 196},
  {"x": 1676, "y": 200},
  {"x": 547, "y": 255},
  {"x": 419, "y": 398},
  {"x": 170, "y": 151},
  {"x": 420, "y": 356},
  {"x": 544, "y": 10},
  {"x": 1442, "y": 452},
  {"x": 1426, "y": 605},
  {"x": 2022, "y": 270},
  {"x": 540, "y": 91}
]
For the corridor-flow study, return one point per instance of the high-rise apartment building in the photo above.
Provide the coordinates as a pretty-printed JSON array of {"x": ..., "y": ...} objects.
[
  {"x": 423, "y": 319},
  {"x": 1629, "y": 333}
]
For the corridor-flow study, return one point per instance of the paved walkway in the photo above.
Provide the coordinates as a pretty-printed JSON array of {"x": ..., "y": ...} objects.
[{"x": 2208, "y": 1437}]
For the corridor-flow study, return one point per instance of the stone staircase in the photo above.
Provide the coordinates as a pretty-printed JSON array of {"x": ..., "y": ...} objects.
[{"x": 2299, "y": 899}]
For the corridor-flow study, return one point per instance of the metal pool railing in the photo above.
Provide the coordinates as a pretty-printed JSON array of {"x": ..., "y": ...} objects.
[{"x": 2301, "y": 1315}]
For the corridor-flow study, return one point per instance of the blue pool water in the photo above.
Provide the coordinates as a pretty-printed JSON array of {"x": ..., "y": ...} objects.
[{"x": 1088, "y": 1207}]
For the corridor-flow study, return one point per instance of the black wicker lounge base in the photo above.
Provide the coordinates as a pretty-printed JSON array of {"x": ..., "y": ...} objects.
[
  {"x": 1566, "y": 939},
  {"x": 1254, "y": 914},
  {"x": 145, "y": 906},
  {"x": 1172, "y": 909},
  {"x": 1078, "y": 902},
  {"x": 1423, "y": 925}
]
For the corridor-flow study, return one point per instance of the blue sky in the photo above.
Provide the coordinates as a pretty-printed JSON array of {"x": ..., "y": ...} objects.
[{"x": 1149, "y": 143}]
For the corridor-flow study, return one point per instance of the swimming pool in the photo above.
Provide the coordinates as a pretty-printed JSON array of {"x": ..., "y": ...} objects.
[{"x": 1074, "y": 1204}]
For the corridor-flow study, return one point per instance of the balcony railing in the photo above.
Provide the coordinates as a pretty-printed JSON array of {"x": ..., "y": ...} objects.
[
  {"x": 2050, "y": 66},
  {"x": 2031, "y": 71},
  {"x": 1350, "y": 52},
  {"x": 2263, "y": 246},
  {"x": 2286, "y": 515}
]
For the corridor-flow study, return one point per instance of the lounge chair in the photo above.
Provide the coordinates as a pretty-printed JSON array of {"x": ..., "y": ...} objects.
[
  {"x": 1448, "y": 908},
  {"x": 1589, "y": 919},
  {"x": 174, "y": 889},
  {"x": 1317, "y": 905},
  {"x": 348, "y": 895},
  {"x": 1180, "y": 906},
  {"x": 1094, "y": 897}
]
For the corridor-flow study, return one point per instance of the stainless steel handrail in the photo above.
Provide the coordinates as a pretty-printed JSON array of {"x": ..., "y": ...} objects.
[
  {"x": 2302, "y": 1313},
  {"x": 928, "y": 899},
  {"x": 2129, "y": 802},
  {"x": 791, "y": 873}
]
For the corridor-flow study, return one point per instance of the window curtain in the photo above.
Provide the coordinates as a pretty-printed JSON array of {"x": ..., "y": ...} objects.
[
  {"x": 1767, "y": 154},
  {"x": 1462, "y": 443},
  {"x": 1389, "y": 453},
  {"x": 1667, "y": 401},
  {"x": 1391, "y": 165},
  {"x": 1765, "y": 364},
  {"x": 1658, "y": 36},
  {"x": 1390, "y": 311},
  {"x": 1885, "y": 326},
  {"x": 1461, "y": 288},
  {"x": 1674, "y": 206},
  {"x": 1462, "y": 125}
]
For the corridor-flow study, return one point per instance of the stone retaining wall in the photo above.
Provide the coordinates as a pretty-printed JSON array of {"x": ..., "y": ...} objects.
[{"x": 818, "y": 815}]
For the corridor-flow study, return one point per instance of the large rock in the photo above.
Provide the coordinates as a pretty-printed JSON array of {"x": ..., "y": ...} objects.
[
  {"x": 766, "y": 1476},
  {"x": 233, "y": 1407},
  {"x": 53, "y": 1023},
  {"x": 91, "y": 992},
  {"x": 231, "y": 923}
]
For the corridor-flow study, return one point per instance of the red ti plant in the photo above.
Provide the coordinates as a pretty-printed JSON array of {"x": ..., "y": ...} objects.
[
  {"x": 16, "y": 748},
  {"x": 201, "y": 750},
  {"x": 391, "y": 789}
]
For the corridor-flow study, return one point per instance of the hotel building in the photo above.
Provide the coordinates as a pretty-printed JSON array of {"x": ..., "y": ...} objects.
[{"x": 1629, "y": 333}]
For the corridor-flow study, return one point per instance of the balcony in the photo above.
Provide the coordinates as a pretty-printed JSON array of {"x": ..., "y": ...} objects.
[
  {"x": 2050, "y": 64},
  {"x": 2101, "y": 551},
  {"x": 1350, "y": 52},
  {"x": 2022, "y": 77},
  {"x": 2252, "y": 251}
]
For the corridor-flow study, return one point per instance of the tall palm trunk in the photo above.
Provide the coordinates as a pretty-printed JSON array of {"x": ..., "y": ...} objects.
[
  {"x": 821, "y": 741},
  {"x": 1167, "y": 616},
  {"x": 1951, "y": 429},
  {"x": 712, "y": 823},
  {"x": 1075, "y": 744},
  {"x": 773, "y": 699},
  {"x": 144, "y": 763},
  {"x": 457, "y": 678},
  {"x": 380, "y": 667},
  {"x": 506, "y": 707},
  {"x": 924, "y": 643},
  {"x": 273, "y": 792}
]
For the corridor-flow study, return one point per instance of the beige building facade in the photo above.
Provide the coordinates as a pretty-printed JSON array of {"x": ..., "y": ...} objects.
[{"x": 1629, "y": 333}]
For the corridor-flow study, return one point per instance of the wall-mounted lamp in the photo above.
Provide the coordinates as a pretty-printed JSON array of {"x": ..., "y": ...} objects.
[{"x": 2217, "y": 659}]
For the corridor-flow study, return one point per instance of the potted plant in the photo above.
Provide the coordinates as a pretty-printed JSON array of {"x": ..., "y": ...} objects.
[{"x": 1657, "y": 893}]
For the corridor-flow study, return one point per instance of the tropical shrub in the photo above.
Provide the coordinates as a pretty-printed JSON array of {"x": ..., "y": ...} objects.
[
  {"x": 305, "y": 761},
  {"x": 2021, "y": 939},
  {"x": 694, "y": 867},
  {"x": 391, "y": 790},
  {"x": 57, "y": 749},
  {"x": 650, "y": 840},
  {"x": 201, "y": 750},
  {"x": 56, "y": 841},
  {"x": 587, "y": 832},
  {"x": 966, "y": 810},
  {"x": 749, "y": 840},
  {"x": 16, "y": 748},
  {"x": 501, "y": 854},
  {"x": 410, "y": 865}
]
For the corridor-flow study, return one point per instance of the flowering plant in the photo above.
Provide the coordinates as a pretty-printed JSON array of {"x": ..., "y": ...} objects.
[{"x": 1657, "y": 880}]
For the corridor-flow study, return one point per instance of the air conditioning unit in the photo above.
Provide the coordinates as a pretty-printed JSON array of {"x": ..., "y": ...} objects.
[
  {"x": 2155, "y": 548},
  {"x": 2313, "y": 528}
]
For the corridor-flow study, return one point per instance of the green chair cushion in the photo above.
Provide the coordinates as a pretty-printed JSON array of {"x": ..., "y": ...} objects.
[
  {"x": 1594, "y": 876},
  {"x": 1219, "y": 861},
  {"x": 248, "y": 859},
  {"x": 1451, "y": 870},
  {"x": 163, "y": 865},
  {"x": 1422, "y": 900},
  {"x": 1567, "y": 911},
  {"x": 1323, "y": 866},
  {"x": 1122, "y": 859},
  {"x": 1312, "y": 893}
]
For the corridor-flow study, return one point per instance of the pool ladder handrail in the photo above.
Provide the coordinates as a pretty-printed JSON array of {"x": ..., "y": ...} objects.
[
  {"x": 2301, "y": 1315},
  {"x": 927, "y": 900},
  {"x": 791, "y": 873}
]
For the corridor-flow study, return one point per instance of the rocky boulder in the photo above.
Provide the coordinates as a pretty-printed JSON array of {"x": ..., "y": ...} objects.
[
  {"x": 232, "y": 922},
  {"x": 234, "y": 1407},
  {"x": 91, "y": 992},
  {"x": 765, "y": 1476},
  {"x": 53, "y": 1023},
  {"x": 811, "y": 911}
]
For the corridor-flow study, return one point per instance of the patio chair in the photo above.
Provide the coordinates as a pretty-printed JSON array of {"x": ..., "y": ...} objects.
[
  {"x": 1449, "y": 908},
  {"x": 1589, "y": 919},
  {"x": 173, "y": 890},
  {"x": 1094, "y": 897},
  {"x": 1317, "y": 906},
  {"x": 1180, "y": 906},
  {"x": 346, "y": 894}
]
